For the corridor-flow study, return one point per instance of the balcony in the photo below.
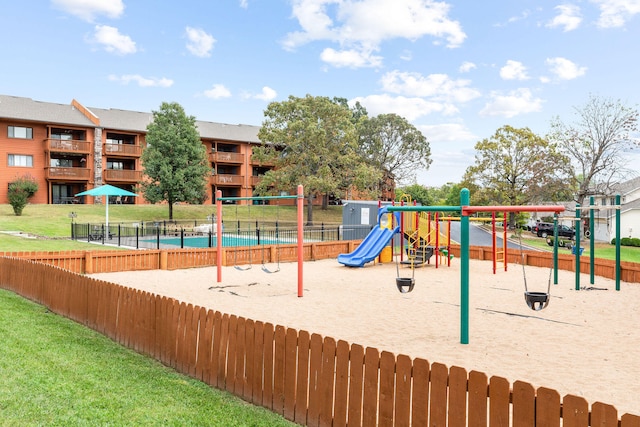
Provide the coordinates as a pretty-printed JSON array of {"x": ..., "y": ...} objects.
[
  {"x": 122, "y": 150},
  {"x": 224, "y": 179},
  {"x": 67, "y": 174},
  {"x": 122, "y": 175},
  {"x": 262, "y": 163},
  {"x": 68, "y": 146},
  {"x": 255, "y": 180},
  {"x": 226, "y": 157}
]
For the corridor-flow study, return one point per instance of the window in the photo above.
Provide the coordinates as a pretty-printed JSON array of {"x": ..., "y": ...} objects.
[
  {"x": 61, "y": 163},
  {"x": 20, "y": 160},
  {"x": 115, "y": 165},
  {"x": 20, "y": 132}
]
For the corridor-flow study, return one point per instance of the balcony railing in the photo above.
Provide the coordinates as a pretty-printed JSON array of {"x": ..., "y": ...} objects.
[
  {"x": 128, "y": 150},
  {"x": 67, "y": 173},
  {"x": 225, "y": 157},
  {"x": 262, "y": 163},
  {"x": 68, "y": 146},
  {"x": 122, "y": 175},
  {"x": 223, "y": 179},
  {"x": 255, "y": 180}
]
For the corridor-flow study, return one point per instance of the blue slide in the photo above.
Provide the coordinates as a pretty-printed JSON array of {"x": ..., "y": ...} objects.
[{"x": 370, "y": 247}]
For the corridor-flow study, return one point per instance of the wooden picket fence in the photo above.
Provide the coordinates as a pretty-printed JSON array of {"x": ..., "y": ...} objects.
[
  {"x": 309, "y": 379},
  {"x": 105, "y": 261}
]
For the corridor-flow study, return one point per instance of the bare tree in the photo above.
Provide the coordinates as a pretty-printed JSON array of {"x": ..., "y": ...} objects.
[{"x": 598, "y": 143}]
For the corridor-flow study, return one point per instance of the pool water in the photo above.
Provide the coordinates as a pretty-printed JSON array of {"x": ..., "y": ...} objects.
[{"x": 227, "y": 241}]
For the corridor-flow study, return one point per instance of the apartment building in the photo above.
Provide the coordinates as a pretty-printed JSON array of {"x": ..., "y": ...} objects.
[{"x": 69, "y": 148}]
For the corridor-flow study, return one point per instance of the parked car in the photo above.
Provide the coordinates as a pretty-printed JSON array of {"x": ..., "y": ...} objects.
[
  {"x": 546, "y": 229},
  {"x": 542, "y": 226}
]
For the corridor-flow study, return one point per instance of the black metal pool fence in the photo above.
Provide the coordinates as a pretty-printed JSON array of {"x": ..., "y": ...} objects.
[{"x": 179, "y": 233}]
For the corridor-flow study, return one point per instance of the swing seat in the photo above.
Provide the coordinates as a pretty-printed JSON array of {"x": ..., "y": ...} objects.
[
  {"x": 405, "y": 284},
  {"x": 536, "y": 300}
]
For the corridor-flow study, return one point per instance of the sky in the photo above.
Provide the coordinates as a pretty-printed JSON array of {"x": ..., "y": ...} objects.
[{"x": 457, "y": 70}]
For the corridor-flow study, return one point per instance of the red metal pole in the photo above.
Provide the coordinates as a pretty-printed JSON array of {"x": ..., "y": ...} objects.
[
  {"x": 449, "y": 243},
  {"x": 494, "y": 244},
  {"x": 300, "y": 203},
  {"x": 219, "y": 234},
  {"x": 504, "y": 241},
  {"x": 437, "y": 248}
]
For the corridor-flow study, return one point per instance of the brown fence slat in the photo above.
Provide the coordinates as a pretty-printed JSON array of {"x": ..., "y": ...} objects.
[
  {"x": 387, "y": 388},
  {"x": 524, "y": 404},
  {"x": 290, "y": 370},
  {"x": 629, "y": 420},
  {"x": 457, "y": 397},
  {"x": 230, "y": 376},
  {"x": 478, "y": 395},
  {"x": 547, "y": 407},
  {"x": 315, "y": 374},
  {"x": 402, "y": 409},
  {"x": 438, "y": 397},
  {"x": 603, "y": 415},
  {"x": 269, "y": 343},
  {"x": 370, "y": 400},
  {"x": 240, "y": 378},
  {"x": 356, "y": 385},
  {"x": 249, "y": 354},
  {"x": 420, "y": 393},
  {"x": 327, "y": 382},
  {"x": 575, "y": 411},
  {"x": 206, "y": 346},
  {"x": 302, "y": 378},
  {"x": 221, "y": 351},
  {"x": 278, "y": 370},
  {"x": 258, "y": 363},
  {"x": 342, "y": 384},
  {"x": 216, "y": 345},
  {"x": 499, "y": 393}
]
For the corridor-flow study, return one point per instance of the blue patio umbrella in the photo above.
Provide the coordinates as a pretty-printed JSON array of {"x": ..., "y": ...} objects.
[{"x": 106, "y": 190}]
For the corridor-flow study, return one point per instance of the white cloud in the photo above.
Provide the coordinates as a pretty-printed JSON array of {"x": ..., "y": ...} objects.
[
  {"x": 520, "y": 101},
  {"x": 113, "y": 41},
  {"x": 565, "y": 69},
  {"x": 615, "y": 13},
  {"x": 364, "y": 25},
  {"x": 244, "y": 4},
  {"x": 267, "y": 94},
  {"x": 218, "y": 91},
  {"x": 568, "y": 18},
  {"x": 87, "y": 10},
  {"x": 200, "y": 43},
  {"x": 447, "y": 132},
  {"x": 467, "y": 66},
  {"x": 409, "y": 108},
  {"x": 514, "y": 70},
  {"x": 141, "y": 81},
  {"x": 438, "y": 86},
  {"x": 350, "y": 58}
]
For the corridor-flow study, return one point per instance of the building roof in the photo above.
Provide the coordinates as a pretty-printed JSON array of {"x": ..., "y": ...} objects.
[
  {"x": 19, "y": 108},
  {"x": 626, "y": 187}
]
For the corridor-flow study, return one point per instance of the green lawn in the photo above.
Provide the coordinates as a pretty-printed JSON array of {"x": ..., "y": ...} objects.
[{"x": 56, "y": 372}]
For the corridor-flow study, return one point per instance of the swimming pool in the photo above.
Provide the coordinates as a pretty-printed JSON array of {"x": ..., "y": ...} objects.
[{"x": 227, "y": 241}]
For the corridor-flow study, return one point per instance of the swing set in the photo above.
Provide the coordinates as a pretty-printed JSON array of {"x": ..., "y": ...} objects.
[
  {"x": 535, "y": 300},
  {"x": 300, "y": 234}
]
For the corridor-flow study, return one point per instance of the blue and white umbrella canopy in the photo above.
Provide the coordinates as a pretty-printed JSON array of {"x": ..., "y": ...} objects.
[{"x": 106, "y": 190}]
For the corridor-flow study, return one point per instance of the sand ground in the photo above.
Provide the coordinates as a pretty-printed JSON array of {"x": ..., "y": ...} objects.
[{"x": 584, "y": 343}]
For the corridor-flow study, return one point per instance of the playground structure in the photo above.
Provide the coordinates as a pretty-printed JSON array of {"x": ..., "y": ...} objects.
[
  {"x": 300, "y": 228},
  {"x": 535, "y": 300}
]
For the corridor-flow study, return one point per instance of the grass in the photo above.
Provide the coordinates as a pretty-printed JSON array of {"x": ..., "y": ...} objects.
[{"x": 56, "y": 372}]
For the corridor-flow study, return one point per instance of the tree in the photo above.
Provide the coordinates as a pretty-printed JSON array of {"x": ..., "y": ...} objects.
[
  {"x": 311, "y": 141},
  {"x": 392, "y": 144},
  {"x": 418, "y": 192},
  {"x": 175, "y": 160},
  {"x": 20, "y": 191},
  {"x": 516, "y": 167},
  {"x": 597, "y": 143}
]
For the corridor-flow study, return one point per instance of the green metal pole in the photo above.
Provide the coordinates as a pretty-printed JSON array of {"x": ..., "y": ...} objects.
[
  {"x": 464, "y": 269},
  {"x": 577, "y": 247},
  {"x": 617, "y": 242},
  {"x": 555, "y": 248},
  {"x": 592, "y": 241}
]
